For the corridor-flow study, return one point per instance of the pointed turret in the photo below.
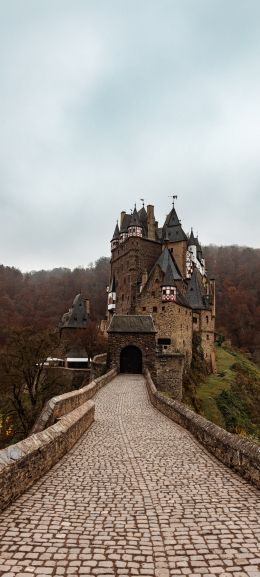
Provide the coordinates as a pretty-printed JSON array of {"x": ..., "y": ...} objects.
[
  {"x": 115, "y": 239},
  {"x": 135, "y": 227},
  {"x": 172, "y": 229},
  {"x": 192, "y": 240}
]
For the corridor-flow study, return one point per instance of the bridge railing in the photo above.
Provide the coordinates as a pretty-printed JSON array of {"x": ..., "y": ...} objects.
[
  {"x": 27, "y": 461},
  {"x": 240, "y": 454}
]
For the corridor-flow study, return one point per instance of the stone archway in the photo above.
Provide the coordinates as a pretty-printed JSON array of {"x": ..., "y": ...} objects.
[{"x": 131, "y": 360}]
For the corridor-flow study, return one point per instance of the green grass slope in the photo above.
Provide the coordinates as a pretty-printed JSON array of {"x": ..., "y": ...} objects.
[{"x": 231, "y": 397}]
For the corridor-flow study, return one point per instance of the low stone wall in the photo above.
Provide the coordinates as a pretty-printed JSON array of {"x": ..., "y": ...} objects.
[
  {"x": 98, "y": 365},
  {"x": 236, "y": 452},
  {"x": 27, "y": 461},
  {"x": 63, "y": 404}
]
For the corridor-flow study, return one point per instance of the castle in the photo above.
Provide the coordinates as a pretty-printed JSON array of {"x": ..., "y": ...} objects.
[{"x": 159, "y": 296}]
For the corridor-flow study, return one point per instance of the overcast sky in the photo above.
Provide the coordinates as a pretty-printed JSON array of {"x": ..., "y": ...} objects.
[{"x": 104, "y": 102}]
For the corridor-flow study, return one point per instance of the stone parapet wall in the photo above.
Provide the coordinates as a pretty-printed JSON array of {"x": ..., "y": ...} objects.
[
  {"x": 27, "y": 461},
  {"x": 64, "y": 404},
  {"x": 239, "y": 454}
]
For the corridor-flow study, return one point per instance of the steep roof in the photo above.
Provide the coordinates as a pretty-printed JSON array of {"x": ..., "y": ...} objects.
[
  {"x": 172, "y": 230},
  {"x": 131, "y": 324},
  {"x": 196, "y": 296},
  {"x": 135, "y": 220},
  {"x": 192, "y": 240},
  {"x": 116, "y": 233},
  {"x": 166, "y": 260},
  {"x": 169, "y": 279},
  {"x": 77, "y": 316}
]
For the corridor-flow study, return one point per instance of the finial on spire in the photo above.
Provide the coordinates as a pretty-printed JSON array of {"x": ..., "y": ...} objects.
[{"x": 173, "y": 196}]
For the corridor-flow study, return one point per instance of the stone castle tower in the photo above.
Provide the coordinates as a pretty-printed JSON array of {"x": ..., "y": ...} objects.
[{"x": 160, "y": 273}]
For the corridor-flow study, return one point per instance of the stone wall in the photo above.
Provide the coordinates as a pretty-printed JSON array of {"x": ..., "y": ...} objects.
[
  {"x": 169, "y": 372},
  {"x": 63, "y": 404},
  {"x": 171, "y": 320},
  {"x": 25, "y": 462},
  {"x": 239, "y": 454}
]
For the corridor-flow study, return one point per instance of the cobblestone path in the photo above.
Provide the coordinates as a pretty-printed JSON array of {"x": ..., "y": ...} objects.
[{"x": 136, "y": 496}]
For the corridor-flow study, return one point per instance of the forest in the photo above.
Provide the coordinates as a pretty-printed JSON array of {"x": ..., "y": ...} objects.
[
  {"x": 39, "y": 299},
  {"x": 32, "y": 304}
]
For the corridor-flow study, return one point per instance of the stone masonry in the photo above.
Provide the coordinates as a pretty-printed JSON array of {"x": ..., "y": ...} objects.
[{"x": 136, "y": 496}]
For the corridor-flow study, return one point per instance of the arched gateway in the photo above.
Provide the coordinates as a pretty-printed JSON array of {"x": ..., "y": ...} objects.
[{"x": 131, "y": 360}]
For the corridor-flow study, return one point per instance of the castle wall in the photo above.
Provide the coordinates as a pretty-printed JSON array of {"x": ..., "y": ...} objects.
[
  {"x": 128, "y": 262},
  {"x": 204, "y": 323},
  {"x": 171, "y": 319}
]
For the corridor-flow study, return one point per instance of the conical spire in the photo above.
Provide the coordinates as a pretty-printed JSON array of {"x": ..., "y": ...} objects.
[
  {"x": 135, "y": 220},
  {"x": 172, "y": 230},
  {"x": 116, "y": 232},
  {"x": 192, "y": 240}
]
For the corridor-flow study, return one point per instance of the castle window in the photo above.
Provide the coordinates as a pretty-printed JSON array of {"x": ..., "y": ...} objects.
[
  {"x": 163, "y": 308},
  {"x": 123, "y": 296},
  {"x": 207, "y": 337},
  {"x": 153, "y": 294},
  {"x": 164, "y": 341},
  {"x": 195, "y": 320},
  {"x": 154, "y": 309},
  {"x": 207, "y": 319},
  {"x": 144, "y": 308}
]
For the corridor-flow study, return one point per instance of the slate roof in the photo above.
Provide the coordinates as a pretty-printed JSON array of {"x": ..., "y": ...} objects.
[
  {"x": 135, "y": 220},
  {"x": 192, "y": 240},
  {"x": 169, "y": 277},
  {"x": 131, "y": 324},
  {"x": 116, "y": 233},
  {"x": 77, "y": 316},
  {"x": 196, "y": 296},
  {"x": 165, "y": 259},
  {"x": 172, "y": 230}
]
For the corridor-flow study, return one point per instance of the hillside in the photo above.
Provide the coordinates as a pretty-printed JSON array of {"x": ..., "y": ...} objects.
[
  {"x": 230, "y": 398},
  {"x": 39, "y": 299}
]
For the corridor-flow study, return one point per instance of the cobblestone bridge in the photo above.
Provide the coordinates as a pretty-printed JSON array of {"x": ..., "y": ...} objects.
[{"x": 136, "y": 496}]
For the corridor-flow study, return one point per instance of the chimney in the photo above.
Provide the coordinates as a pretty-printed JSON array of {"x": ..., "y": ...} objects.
[
  {"x": 122, "y": 218},
  {"x": 150, "y": 222}
]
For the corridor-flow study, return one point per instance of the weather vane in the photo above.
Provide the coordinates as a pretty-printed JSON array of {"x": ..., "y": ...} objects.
[
  {"x": 142, "y": 200},
  {"x": 173, "y": 196}
]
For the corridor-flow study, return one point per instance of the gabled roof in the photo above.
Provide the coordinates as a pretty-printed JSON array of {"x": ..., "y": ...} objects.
[
  {"x": 166, "y": 259},
  {"x": 172, "y": 230},
  {"x": 131, "y": 324},
  {"x": 116, "y": 233},
  {"x": 196, "y": 296},
  {"x": 77, "y": 316}
]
